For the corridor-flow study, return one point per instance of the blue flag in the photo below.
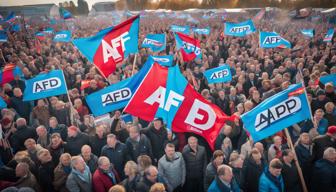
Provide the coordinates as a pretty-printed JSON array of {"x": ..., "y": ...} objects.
[
  {"x": 65, "y": 14},
  {"x": 308, "y": 32},
  {"x": 3, "y": 36},
  {"x": 62, "y": 36},
  {"x": 329, "y": 35},
  {"x": 45, "y": 85},
  {"x": 116, "y": 96},
  {"x": 328, "y": 79},
  {"x": 239, "y": 29},
  {"x": 156, "y": 42},
  {"x": 181, "y": 29},
  {"x": 277, "y": 113},
  {"x": 164, "y": 60},
  {"x": 202, "y": 31},
  {"x": 3, "y": 104},
  {"x": 48, "y": 30},
  {"x": 219, "y": 74},
  {"x": 272, "y": 40},
  {"x": 16, "y": 28},
  {"x": 10, "y": 18}
]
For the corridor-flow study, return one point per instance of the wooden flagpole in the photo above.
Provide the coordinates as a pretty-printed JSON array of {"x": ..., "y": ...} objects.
[
  {"x": 134, "y": 61},
  {"x": 72, "y": 119},
  {"x": 291, "y": 146}
]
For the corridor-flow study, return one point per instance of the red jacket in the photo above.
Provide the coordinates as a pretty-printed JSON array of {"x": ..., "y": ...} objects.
[{"x": 102, "y": 182}]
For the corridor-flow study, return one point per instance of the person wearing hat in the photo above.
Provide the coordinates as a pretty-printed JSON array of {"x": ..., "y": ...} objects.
[
  {"x": 320, "y": 101},
  {"x": 322, "y": 142}
]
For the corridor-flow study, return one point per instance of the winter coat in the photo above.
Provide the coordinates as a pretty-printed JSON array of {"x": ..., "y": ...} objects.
[
  {"x": 74, "y": 144},
  {"x": 218, "y": 186},
  {"x": 269, "y": 183},
  {"x": 28, "y": 181},
  {"x": 46, "y": 176},
  {"x": 291, "y": 178},
  {"x": 157, "y": 138},
  {"x": 250, "y": 175},
  {"x": 210, "y": 173},
  {"x": 102, "y": 182},
  {"x": 60, "y": 177},
  {"x": 75, "y": 183},
  {"x": 97, "y": 144},
  {"x": 20, "y": 136},
  {"x": 195, "y": 163},
  {"x": 321, "y": 143},
  {"x": 135, "y": 148},
  {"x": 324, "y": 176}
]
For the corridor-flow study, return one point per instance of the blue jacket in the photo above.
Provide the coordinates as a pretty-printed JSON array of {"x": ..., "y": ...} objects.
[
  {"x": 218, "y": 186},
  {"x": 267, "y": 183}
]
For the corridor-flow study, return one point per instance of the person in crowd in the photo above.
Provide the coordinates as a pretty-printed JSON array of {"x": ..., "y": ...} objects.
[
  {"x": 56, "y": 147},
  {"x": 330, "y": 113},
  {"x": 116, "y": 152},
  {"x": 324, "y": 172},
  {"x": 117, "y": 188},
  {"x": 26, "y": 178},
  {"x": 98, "y": 141},
  {"x": 105, "y": 176},
  {"x": 43, "y": 137},
  {"x": 81, "y": 109},
  {"x": 275, "y": 150},
  {"x": 138, "y": 144},
  {"x": 271, "y": 179},
  {"x": 132, "y": 176},
  {"x": 224, "y": 181},
  {"x": 75, "y": 141},
  {"x": 322, "y": 142},
  {"x": 41, "y": 114},
  {"x": 196, "y": 161},
  {"x": 32, "y": 149},
  {"x": 150, "y": 177},
  {"x": 236, "y": 162},
  {"x": 143, "y": 161},
  {"x": 80, "y": 178},
  {"x": 61, "y": 173},
  {"x": 227, "y": 148},
  {"x": 55, "y": 127},
  {"x": 45, "y": 170},
  {"x": 289, "y": 172},
  {"x": 171, "y": 166},
  {"x": 23, "y": 108},
  {"x": 303, "y": 150},
  {"x": 211, "y": 169},
  {"x": 90, "y": 159},
  {"x": 22, "y": 133},
  {"x": 157, "y": 187}
]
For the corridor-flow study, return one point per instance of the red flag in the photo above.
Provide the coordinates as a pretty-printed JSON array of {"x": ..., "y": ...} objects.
[
  {"x": 7, "y": 74},
  {"x": 296, "y": 92},
  {"x": 85, "y": 84}
]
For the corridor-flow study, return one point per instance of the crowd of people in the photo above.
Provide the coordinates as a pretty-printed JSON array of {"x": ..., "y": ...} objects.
[{"x": 54, "y": 144}]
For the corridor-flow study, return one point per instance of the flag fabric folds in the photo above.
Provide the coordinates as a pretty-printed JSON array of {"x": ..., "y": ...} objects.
[
  {"x": 62, "y": 36},
  {"x": 9, "y": 72},
  {"x": 189, "y": 47},
  {"x": 328, "y": 79},
  {"x": 181, "y": 29},
  {"x": 10, "y": 18},
  {"x": 272, "y": 40},
  {"x": 330, "y": 34},
  {"x": 45, "y": 85},
  {"x": 3, "y": 36},
  {"x": 41, "y": 36},
  {"x": 219, "y": 74},
  {"x": 239, "y": 29},
  {"x": 277, "y": 113},
  {"x": 308, "y": 32},
  {"x": 109, "y": 48},
  {"x": 202, "y": 31},
  {"x": 164, "y": 60},
  {"x": 156, "y": 42}
]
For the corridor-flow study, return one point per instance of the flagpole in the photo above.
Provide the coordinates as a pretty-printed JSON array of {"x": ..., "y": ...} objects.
[
  {"x": 2, "y": 56},
  {"x": 71, "y": 104},
  {"x": 134, "y": 61},
  {"x": 305, "y": 91},
  {"x": 291, "y": 146}
]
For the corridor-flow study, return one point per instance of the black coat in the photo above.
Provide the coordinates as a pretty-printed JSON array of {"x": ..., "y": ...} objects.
[
  {"x": 135, "y": 149},
  {"x": 19, "y": 137},
  {"x": 195, "y": 163},
  {"x": 291, "y": 178},
  {"x": 46, "y": 176},
  {"x": 23, "y": 108},
  {"x": 157, "y": 138},
  {"x": 324, "y": 176},
  {"x": 250, "y": 175},
  {"x": 97, "y": 144},
  {"x": 320, "y": 144},
  {"x": 305, "y": 160},
  {"x": 224, "y": 104},
  {"x": 74, "y": 144}
]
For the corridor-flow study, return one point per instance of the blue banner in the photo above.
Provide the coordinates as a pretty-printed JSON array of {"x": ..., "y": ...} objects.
[
  {"x": 3, "y": 104},
  {"x": 329, "y": 35},
  {"x": 3, "y": 36},
  {"x": 45, "y": 85},
  {"x": 164, "y": 60},
  {"x": 62, "y": 36},
  {"x": 181, "y": 29},
  {"x": 16, "y": 28},
  {"x": 202, "y": 31},
  {"x": 156, "y": 42},
  {"x": 272, "y": 40},
  {"x": 277, "y": 113},
  {"x": 308, "y": 32},
  {"x": 328, "y": 79},
  {"x": 116, "y": 96},
  {"x": 239, "y": 29},
  {"x": 220, "y": 74},
  {"x": 48, "y": 30}
]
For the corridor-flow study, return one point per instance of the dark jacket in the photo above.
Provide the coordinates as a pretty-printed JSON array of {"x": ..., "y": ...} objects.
[
  {"x": 157, "y": 138},
  {"x": 60, "y": 177},
  {"x": 210, "y": 173},
  {"x": 61, "y": 129},
  {"x": 56, "y": 152},
  {"x": 324, "y": 176},
  {"x": 291, "y": 178},
  {"x": 102, "y": 182},
  {"x": 92, "y": 163},
  {"x": 23, "y": 108},
  {"x": 46, "y": 176},
  {"x": 250, "y": 175},
  {"x": 118, "y": 156},
  {"x": 74, "y": 144},
  {"x": 97, "y": 144},
  {"x": 130, "y": 185},
  {"x": 305, "y": 158},
  {"x": 320, "y": 144},
  {"x": 218, "y": 186},
  {"x": 195, "y": 163},
  {"x": 135, "y": 149},
  {"x": 28, "y": 181},
  {"x": 144, "y": 184},
  {"x": 19, "y": 137}
]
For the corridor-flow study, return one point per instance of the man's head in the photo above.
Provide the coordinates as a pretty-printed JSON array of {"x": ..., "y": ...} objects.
[
  {"x": 41, "y": 131},
  {"x": 30, "y": 144},
  {"x": 134, "y": 132},
  {"x": 65, "y": 159},
  {"x": 17, "y": 92},
  {"x": 22, "y": 169},
  {"x": 72, "y": 131},
  {"x": 78, "y": 163},
  {"x": 104, "y": 163},
  {"x": 111, "y": 140},
  {"x": 277, "y": 140},
  {"x": 53, "y": 122},
  {"x": 275, "y": 167},
  {"x": 329, "y": 107},
  {"x": 158, "y": 122},
  {"x": 330, "y": 154},
  {"x": 100, "y": 131},
  {"x": 304, "y": 138},
  {"x": 192, "y": 142},
  {"x": 86, "y": 152},
  {"x": 21, "y": 122},
  {"x": 170, "y": 150},
  {"x": 288, "y": 155},
  {"x": 44, "y": 156},
  {"x": 151, "y": 173},
  {"x": 218, "y": 157},
  {"x": 224, "y": 172}
]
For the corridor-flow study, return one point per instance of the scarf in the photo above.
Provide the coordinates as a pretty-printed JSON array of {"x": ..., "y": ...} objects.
[
  {"x": 83, "y": 176},
  {"x": 67, "y": 169}
]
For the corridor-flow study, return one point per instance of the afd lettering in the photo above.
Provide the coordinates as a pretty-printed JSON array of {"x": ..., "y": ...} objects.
[
  {"x": 164, "y": 60},
  {"x": 192, "y": 48},
  {"x": 116, "y": 96},
  {"x": 111, "y": 50},
  {"x": 179, "y": 29},
  {"x": 277, "y": 112},
  {"x": 201, "y": 30},
  {"x": 272, "y": 40},
  {"x": 240, "y": 29},
  {"x": 200, "y": 116},
  {"x": 219, "y": 74},
  {"x": 46, "y": 84},
  {"x": 152, "y": 42},
  {"x": 60, "y": 36}
]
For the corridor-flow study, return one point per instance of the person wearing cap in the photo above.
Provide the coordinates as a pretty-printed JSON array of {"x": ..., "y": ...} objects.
[
  {"x": 324, "y": 172},
  {"x": 320, "y": 101},
  {"x": 322, "y": 142},
  {"x": 75, "y": 141},
  {"x": 157, "y": 134},
  {"x": 271, "y": 179}
]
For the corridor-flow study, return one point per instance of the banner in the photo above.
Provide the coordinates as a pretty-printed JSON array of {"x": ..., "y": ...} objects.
[
  {"x": 164, "y": 60},
  {"x": 219, "y": 74},
  {"x": 277, "y": 113},
  {"x": 3, "y": 36},
  {"x": 156, "y": 42},
  {"x": 109, "y": 48},
  {"x": 181, "y": 29},
  {"x": 272, "y": 40},
  {"x": 45, "y": 85},
  {"x": 328, "y": 79},
  {"x": 239, "y": 29},
  {"x": 329, "y": 35},
  {"x": 116, "y": 96},
  {"x": 308, "y": 32},
  {"x": 190, "y": 47},
  {"x": 62, "y": 36},
  {"x": 202, "y": 31},
  {"x": 9, "y": 72},
  {"x": 65, "y": 14},
  {"x": 48, "y": 30},
  {"x": 41, "y": 36}
]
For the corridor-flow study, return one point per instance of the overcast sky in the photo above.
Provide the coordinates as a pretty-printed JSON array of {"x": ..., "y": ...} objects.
[{"x": 32, "y": 2}]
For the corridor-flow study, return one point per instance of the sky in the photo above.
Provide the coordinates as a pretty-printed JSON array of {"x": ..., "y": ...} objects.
[{"x": 32, "y": 2}]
